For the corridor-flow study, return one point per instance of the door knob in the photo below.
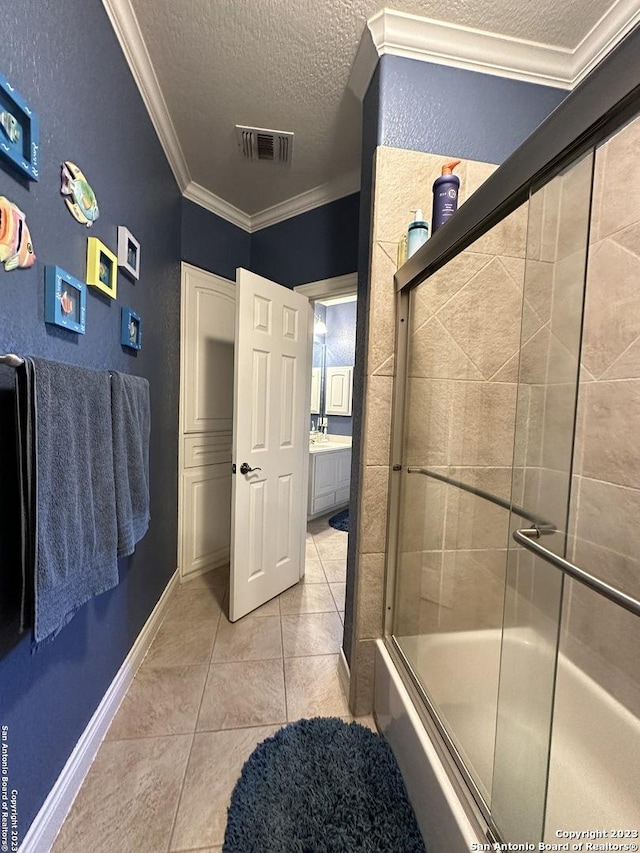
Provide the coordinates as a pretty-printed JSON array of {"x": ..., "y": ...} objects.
[{"x": 245, "y": 468}]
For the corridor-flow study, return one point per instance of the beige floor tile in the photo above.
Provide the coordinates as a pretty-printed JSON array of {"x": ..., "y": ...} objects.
[
  {"x": 335, "y": 570},
  {"x": 313, "y": 688},
  {"x": 311, "y": 552},
  {"x": 216, "y": 580},
  {"x": 129, "y": 798},
  {"x": 333, "y": 548},
  {"x": 307, "y": 598},
  {"x": 191, "y": 604},
  {"x": 161, "y": 701},
  {"x": 313, "y": 572},
  {"x": 215, "y": 849},
  {"x": 251, "y": 638},
  {"x": 238, "y": 695},
  {"x": 311, "y": 634},
  {"x": 213, "y": 770},
  {"x": 338, "y": 591},
  {"x": 317, "y": 525},
  {"x": 180, "y": 644},
  {"x": 270, "y": 608}
]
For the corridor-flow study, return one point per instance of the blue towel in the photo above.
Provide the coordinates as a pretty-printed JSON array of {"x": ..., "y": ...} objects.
[
  {"x": 73, "y": 483},
  {"x": 130, "y": 412}
]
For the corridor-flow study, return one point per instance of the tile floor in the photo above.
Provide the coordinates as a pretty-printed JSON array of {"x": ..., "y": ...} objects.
[{"x": 206, "y": 694}]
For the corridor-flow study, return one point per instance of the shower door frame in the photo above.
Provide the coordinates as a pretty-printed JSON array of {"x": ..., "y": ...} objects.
[{"x": 602, "y": 102}]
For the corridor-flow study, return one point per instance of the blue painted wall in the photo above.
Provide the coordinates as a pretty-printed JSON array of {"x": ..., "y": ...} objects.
[
  {"x": 427, "y": 107},
  {"x": 212, "y": 243},
  {"x": 65, "y": 59},
  {"x": 433, "y": 108},
  {"x": 319, "y": 244},
  {"x": 341, "y": 352}
]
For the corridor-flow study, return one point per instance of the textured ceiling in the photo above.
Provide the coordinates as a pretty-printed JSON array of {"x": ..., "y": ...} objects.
[{"x": 285, "y": 66}]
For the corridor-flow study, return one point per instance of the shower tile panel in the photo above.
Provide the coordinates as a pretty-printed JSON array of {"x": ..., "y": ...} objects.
[
  {"x": 611, "y": 431},
  {"x": 446, "y": 282},
  {"x": 482, "y": 423},
  {"x": 508, "y": 237},
  {"x": 612, "y": 307},
  {"x": 620, "y": 183},
  {"x": 436, "y": 355},
  {"x": 484, "y": 318},
  {"x": 377, "y": 431}
]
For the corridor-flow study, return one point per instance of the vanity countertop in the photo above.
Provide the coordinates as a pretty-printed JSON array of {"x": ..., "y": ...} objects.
[{"x": 335, "y": 442}]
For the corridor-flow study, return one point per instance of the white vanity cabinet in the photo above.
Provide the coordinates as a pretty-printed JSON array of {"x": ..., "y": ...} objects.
[{"x": 329, "y": 478}]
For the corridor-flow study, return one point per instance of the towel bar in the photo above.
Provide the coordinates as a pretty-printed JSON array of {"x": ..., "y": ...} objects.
[{"x": 11, "y": 359}]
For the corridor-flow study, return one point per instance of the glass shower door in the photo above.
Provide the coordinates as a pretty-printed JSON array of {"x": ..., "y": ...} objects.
[
  {"x": 490, "y": 394},
  {"x": 459, "y": 426},
  {"x": 558, "y": 233}
]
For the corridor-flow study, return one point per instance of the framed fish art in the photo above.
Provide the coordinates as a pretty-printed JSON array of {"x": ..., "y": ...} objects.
[
  {"x": 131, "y": 329},
  {"x": 16, "y": 248},
  {"x": 128, "y": 253},
  {"x": 19, "y": 138},
  {"x": 65, "y": 300},
  {"x": 80, "y": 198},
  {"x": 102, "y": 267}
]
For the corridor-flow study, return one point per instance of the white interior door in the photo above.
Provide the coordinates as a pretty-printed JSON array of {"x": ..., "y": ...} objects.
[{"x": 271, "y": 436}]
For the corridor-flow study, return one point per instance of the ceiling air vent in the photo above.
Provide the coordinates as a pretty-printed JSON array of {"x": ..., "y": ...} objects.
[{"x": 257, "y": 143}]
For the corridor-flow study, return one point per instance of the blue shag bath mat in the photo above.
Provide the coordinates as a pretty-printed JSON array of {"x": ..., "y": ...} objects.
[
  {"x": 340, "y": 520},
  {"x": 321, "y": 786}
]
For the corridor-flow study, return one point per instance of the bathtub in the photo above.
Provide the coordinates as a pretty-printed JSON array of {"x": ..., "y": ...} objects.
[{"x": 594, "y": 775}]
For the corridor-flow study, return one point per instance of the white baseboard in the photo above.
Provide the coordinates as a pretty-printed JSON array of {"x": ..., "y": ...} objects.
[
  {"x": 344, "y": 673},
  {"x": 48, "y": 822}
]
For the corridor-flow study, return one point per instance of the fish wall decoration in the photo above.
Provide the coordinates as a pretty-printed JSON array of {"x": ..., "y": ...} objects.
[
  {"x": 16, "y": 248},
  {"x": 81, "y": 199}
]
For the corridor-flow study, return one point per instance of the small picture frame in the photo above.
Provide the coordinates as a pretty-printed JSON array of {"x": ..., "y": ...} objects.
[
  {"x": 131, "y": 329},
  {"x": 19, "y": 137},
  {"x": 102, "y": 267},
  {"x": 65, "y": 301},
  {"x": 128, "y": 253}
]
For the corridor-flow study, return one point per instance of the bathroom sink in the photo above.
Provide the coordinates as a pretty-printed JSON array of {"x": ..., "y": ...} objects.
[{"x": 324, "y": 446}]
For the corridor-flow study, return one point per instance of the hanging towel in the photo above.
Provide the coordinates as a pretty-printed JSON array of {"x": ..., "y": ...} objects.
[
  {"x": 67, "y": 420},
  {"x": 130, "y": 412}
]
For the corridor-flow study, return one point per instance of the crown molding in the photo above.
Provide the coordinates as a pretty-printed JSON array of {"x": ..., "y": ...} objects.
[
  {"x": 302, "y": 203},
  {"x": 125, "y": 24},
  {"x": 612, "y": 27},
  {"x": 331, "y": 191},
  {"x": 427, "y": 40},
  {"x": 205, "y": 198}
]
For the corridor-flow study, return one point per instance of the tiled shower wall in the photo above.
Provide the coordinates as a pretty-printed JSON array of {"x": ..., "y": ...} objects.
[
  {"x": 605, "y": 505},
  {"x": 464, "y": 340},
  {"x": 402, "y": 181}
]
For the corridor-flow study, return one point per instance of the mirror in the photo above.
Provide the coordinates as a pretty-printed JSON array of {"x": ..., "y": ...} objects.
[{"x": 334, "y": 347}]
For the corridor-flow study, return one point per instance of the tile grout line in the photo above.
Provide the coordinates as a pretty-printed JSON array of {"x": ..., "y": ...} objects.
[{"x": 195, "y": 725}]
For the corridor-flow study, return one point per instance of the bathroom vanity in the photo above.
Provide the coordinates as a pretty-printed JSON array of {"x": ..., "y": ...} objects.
[{"x": 329, "y": 475}]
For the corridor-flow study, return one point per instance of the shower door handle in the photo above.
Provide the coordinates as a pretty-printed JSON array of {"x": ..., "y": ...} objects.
[{"x": 527, "y": 538}]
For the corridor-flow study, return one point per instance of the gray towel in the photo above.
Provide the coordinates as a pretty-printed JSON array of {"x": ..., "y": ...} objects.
[
  {"x": 130, "y": 412},
  {"x": 75, "y": 518}
]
